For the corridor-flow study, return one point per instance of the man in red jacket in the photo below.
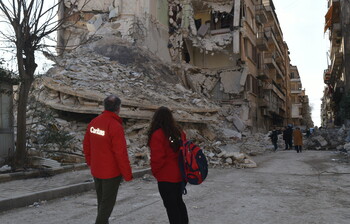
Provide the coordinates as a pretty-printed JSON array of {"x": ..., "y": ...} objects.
[{"x": 106, "y": 155}]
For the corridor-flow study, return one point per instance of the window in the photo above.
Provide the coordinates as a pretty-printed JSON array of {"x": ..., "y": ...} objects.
[
  {"x": 221, "y": 20},
  {"x": 252, "y": 85},
  {"x": 250, "y": 50}
]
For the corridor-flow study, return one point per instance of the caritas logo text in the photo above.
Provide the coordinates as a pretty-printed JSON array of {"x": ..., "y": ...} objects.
[{"x": 97, "y": 131}]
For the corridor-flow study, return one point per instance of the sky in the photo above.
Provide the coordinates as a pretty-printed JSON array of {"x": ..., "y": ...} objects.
[{"x": 302, "y": 23}]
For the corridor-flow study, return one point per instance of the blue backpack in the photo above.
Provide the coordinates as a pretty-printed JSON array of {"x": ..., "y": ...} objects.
[{"x": 193, "y": 163}]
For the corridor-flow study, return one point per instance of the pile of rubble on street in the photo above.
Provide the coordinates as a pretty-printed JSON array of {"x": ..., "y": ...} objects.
[
  {"x": 72, "y": 92},
  {"x": 336, "y": 139}
]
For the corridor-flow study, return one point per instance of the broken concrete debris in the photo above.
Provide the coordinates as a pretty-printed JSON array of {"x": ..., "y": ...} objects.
[
  {"x": 72, "y": 92},
  {"x": 126, "y": 56}
]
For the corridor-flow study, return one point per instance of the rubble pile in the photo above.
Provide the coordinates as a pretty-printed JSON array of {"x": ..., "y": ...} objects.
[
  {"x": 328, "y": 139},
  {"x": 72, "y": 92}
]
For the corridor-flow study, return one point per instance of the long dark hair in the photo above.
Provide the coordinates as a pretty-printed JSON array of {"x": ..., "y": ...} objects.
[{"x": 164, "y": 119}]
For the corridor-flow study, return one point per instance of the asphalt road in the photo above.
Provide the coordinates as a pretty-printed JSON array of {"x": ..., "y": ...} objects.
[{"x": 286, "y": 188}]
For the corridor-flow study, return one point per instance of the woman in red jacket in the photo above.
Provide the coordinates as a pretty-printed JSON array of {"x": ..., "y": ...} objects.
[{"x": 162, "y": 136}]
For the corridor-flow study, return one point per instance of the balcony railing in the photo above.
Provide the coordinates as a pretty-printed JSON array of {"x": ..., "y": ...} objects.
[
  {"x": 263, "y": 73},
  {"x": 270, "y": 61},
  {"x": 276, "y": 90},
  {"x": 261, "y": 42},
  {"x": 296, "y": 91},
  {"x": 260, "y": 14},
  {"x": 270, "y": 33}
]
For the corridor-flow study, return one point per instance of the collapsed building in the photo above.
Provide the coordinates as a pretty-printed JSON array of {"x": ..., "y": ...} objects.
[
  {"x": 221, "y": 66},
  {"x": 335, "y": 108},
  {"x": 232, "y": 52}
]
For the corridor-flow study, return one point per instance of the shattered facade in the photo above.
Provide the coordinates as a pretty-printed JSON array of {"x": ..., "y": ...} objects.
[
  {"x": 335, "y": 108},
  {"x": 221, "y": 66}
]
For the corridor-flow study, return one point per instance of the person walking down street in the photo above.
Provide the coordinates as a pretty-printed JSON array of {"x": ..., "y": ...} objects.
[
  {"x": 274, "y": 138},
  {"x": 308, "y": 132},
  {"x": 298, "y": 139},
  {"x": 284, "y": 135},
  {"x": 106, "y": 154},
  {"x": 288, "y": 137},
  {"x": 164, "y": 137}
]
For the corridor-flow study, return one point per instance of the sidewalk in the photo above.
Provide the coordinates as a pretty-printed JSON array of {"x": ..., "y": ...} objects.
[{"x": 23, "y": 189}]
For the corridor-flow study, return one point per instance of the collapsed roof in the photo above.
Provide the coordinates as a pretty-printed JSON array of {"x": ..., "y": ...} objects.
[{"x": 82, "y": 79}]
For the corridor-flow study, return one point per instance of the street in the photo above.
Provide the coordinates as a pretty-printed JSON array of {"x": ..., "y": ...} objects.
[{"x": 287, "y": 188}]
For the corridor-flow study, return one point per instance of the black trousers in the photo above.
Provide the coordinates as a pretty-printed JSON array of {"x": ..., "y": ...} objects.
[
  {"x": 171, "y": 194},
  {"x": 298, "y": 148},
  {"x": 106, "y": 190},
  {"x": 289, "y": 143}
]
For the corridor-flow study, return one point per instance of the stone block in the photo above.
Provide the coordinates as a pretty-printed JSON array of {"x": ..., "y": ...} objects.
[
  {"x": 202, "y": 31},
  {"x": 94, "y": 23},
  {"x": 114, "y": 13}
]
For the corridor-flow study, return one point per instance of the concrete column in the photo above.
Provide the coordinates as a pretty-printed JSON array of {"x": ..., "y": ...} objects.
[
  {"x": 345, "y": 22},
  {"x": 236, "y": 22}
]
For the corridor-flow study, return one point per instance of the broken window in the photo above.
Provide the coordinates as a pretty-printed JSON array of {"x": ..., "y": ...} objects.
[
  {"x": 252, "y": 85},
  {"x": 185, "y": 54},
  {"x": 221, "y": 20},
  {"x": 250, "y": 51},
  {"x": 292, "y": 75}
]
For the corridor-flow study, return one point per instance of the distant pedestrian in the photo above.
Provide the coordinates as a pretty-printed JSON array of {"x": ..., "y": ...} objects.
[
  {"x": 106, "y": 155},
  {"x": 284, "y": 135},
  {"x": 308, "y": 132},
  {"x": 163, "y": 139},
  {"x": 274, "y": 138},
  {"x": 288, "y": 137},
  {"x": 298, "y": 139}
]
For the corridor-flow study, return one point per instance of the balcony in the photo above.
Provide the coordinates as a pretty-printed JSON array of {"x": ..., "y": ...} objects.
[
  {"x": 295, "y": 80},
  {"x": 274, "y": 108},
  {"x": 337, "y": 61},
  {"x": 296, "y": 108},
  {"x": 282, "y": 108},
  {"x": 262, "y": 102},
  {"x": 327, "y": 75},
  {"x": 270, "y": 33},
  {"x": 296, "y": 91},
  {"x": 333, "y": 14},
  {"x": 276, "y": 90},
  {"x": 263, "y": 73},
  {"x": 262, "y": 42},
  {"x": 270, "y": 61},
  {"x": 260, "y": 14}
]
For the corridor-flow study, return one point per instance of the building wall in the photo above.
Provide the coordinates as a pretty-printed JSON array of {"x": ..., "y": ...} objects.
[
  {"x": 6, "y": 122},
  {"x": 144, "y": 22},
  {"x": 336, "y": 96}
]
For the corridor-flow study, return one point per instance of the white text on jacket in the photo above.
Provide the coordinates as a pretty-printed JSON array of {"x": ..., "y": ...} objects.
[{"x": 97, "y": 131}]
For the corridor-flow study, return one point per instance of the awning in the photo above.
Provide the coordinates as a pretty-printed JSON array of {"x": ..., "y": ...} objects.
[
  {"x": 332, "y": 15},
  {"x": 328, "y": 18}
]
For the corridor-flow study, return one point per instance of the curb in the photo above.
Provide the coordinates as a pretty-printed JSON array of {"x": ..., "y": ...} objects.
[
  {"x": 41, "y": 172},
  {"x": 29, "y": 199}
]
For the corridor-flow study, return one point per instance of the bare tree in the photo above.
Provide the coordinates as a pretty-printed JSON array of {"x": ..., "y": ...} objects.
[{"x": 30, "y": 22}]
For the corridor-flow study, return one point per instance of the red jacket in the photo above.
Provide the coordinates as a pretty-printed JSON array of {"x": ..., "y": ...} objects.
[
  {"x": 105, "y": 147},
  {"x": 164, "y": 161}
]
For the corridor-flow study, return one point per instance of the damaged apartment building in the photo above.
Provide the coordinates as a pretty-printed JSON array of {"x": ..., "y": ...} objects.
[
  {"x": 336, "y": 99},
  {"x": 232, "y": 53}
]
